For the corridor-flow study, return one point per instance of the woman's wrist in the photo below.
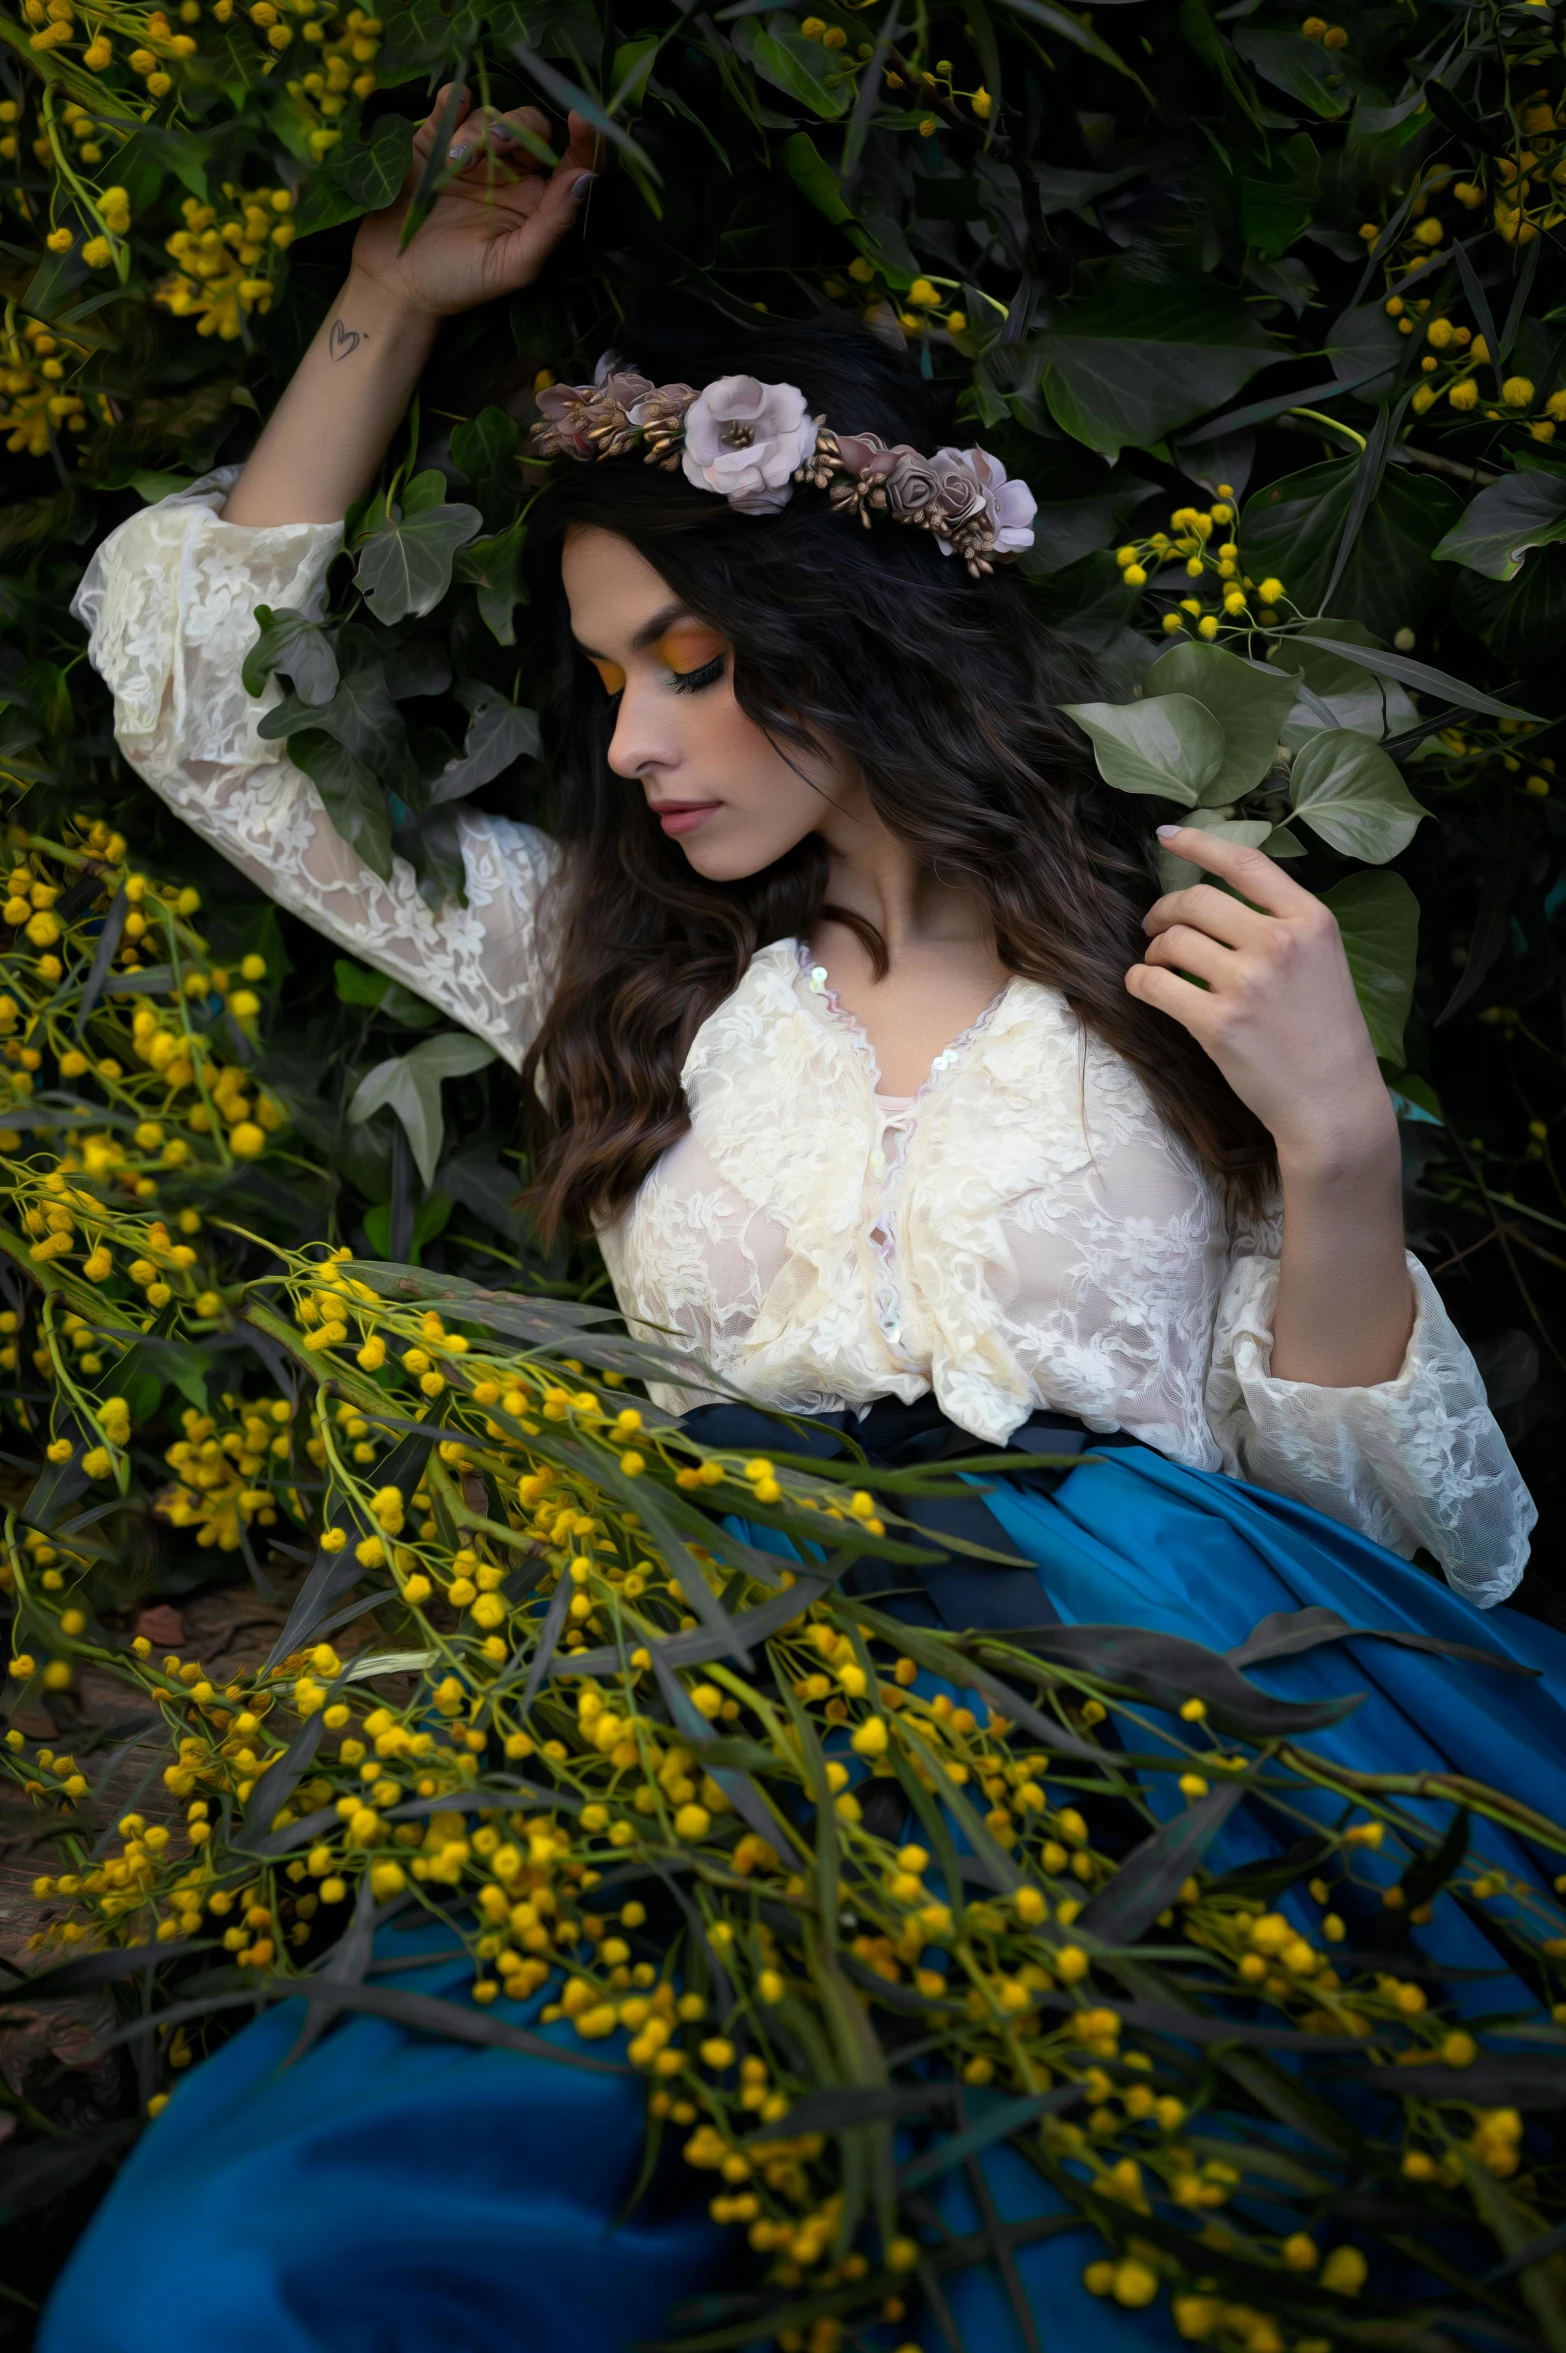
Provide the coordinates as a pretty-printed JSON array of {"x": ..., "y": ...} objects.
[
  {"x": 367, "y": 302},
  {"x": 1347, "y": 1146}
]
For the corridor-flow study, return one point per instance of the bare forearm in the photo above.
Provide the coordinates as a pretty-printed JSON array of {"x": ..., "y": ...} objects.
[
  {"x": 324, "y": 440},
  {"x": 1345, "y": 1305}
]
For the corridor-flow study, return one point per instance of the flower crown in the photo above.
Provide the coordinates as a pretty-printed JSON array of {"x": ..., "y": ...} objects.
[{"x": 751, "y": 442}]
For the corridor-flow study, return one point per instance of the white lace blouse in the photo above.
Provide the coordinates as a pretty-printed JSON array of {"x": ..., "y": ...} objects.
[{"x": 1023, "y": 1232}]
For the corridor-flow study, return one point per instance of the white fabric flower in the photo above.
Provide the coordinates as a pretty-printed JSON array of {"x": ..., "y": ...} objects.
[
  {"x": 1009, "y": 506},
  {"x": 744, "y": 439}
]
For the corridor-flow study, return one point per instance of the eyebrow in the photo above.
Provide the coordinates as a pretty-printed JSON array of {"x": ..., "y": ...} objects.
[{"x": 649, "y": 632}]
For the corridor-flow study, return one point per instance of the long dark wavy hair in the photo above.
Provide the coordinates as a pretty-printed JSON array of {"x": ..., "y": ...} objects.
[{"x": 945, "y": 692}]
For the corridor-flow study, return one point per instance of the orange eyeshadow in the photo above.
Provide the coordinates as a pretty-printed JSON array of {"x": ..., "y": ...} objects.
[
  {"x": 611, "y": 674},
  {"x": 689, "y": 645}
]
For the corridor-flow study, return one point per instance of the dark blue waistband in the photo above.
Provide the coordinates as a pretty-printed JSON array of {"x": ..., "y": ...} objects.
[{"x": 954, "y": 1591}]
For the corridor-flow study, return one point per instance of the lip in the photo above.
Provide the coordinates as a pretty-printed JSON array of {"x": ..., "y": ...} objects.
[{"x": 677, "y": 817}]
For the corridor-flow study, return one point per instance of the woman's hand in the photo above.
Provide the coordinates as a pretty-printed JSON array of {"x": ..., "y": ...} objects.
[
  {"x": 1278, "y": 1013},
  {"x": 492, "y": 228},
  {"x": 1280, "y": 1018},
  {"x": 495, "y": 222}
]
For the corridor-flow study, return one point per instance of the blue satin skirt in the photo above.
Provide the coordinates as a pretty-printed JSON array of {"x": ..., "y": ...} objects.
[{"x": 395, "y": 2193}]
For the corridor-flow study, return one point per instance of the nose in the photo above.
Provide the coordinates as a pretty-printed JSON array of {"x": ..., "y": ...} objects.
[{"x": 644, "y": 741}]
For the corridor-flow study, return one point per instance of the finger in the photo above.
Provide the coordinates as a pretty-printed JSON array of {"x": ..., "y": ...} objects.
[
  {"x": 1184, "y": 950},
  {"x": 1167, "y": 993},
  {"x": 520, "y": 140},
  {"x": 585, "y": 146},
  {"x": 1254, "y": 875},
  {"x": 424, "y": 136},
  {"x": 1218, "y": 913}
]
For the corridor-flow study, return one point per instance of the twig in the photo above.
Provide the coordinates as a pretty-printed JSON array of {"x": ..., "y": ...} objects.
[{"x": 1456, "y": 467}]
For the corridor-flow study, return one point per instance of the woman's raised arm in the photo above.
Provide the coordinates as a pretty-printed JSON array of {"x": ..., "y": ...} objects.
[{"x": 490, "y": 232}]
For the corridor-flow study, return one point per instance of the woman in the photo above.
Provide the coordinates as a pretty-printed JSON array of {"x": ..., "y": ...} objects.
[{"x": 884, "y": 1076}]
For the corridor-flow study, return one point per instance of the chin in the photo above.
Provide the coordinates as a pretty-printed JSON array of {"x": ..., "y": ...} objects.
[{"x": 733, "y": 861}]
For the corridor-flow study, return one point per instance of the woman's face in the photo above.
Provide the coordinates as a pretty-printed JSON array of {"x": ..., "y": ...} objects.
[{"x": 716, "y": 783}]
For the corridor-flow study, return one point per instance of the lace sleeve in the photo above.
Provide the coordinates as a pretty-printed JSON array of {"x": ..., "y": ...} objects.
[
  {"x": 170, "y": 599},
  {"x": 1417, "y": 1460}
]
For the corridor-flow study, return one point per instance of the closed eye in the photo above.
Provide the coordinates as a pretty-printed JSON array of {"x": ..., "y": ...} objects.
[{"x": 692, "y": 681}]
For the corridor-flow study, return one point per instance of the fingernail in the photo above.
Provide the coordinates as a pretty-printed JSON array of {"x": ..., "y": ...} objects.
[
  {"x": 502, "y": 131},
  {"x": 581, "y": 184},
  {"x": 457, "y": 154},
  {"x": 1167, "y": 832}
]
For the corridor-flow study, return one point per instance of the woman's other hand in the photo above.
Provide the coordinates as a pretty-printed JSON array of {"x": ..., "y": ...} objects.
[
  {"x": 1279, "y": 1016},
  {"x": 498, "y": 217},
  {"x": 1278, "y": 1013}
]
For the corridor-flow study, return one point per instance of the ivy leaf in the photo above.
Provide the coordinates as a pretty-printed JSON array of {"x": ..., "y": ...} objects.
[
  {"x": 1168, "y": 745},
  {"x": 373, "y": 169},
  {"x": 1248, "y": 833},
  {"x": 1378, "y": 916},
  {"x": 352, "y": 792},
  {"x": 1348, "y": 791},
  {"x": 1249, "y": 703},
  {"x": 405, "y": 561},
  {"x": 1496, "y": 530},
  {"x": 498, "y": 733},
  {"x": 485, "y": 445},
  {"x": 485, "y": 448},
  {"x": 361, "y": 715},
  {"x": 290, "y": 641},
  {"x": 1133, "y": 360},
  {"x": 409, "y": 1085},
  {"x": 493, "y": 567},
  {"x": 1292, "y": 530}
]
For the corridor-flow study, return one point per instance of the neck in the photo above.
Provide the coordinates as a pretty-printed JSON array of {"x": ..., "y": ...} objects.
[{"x": 874, "y": 875}]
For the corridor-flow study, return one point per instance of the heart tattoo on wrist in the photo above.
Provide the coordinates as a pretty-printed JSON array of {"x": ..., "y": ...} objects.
[{"x": 343, "y": 341}]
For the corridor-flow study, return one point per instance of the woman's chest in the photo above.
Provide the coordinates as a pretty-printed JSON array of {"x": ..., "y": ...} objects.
[{"x": 1028, "y": 1168}]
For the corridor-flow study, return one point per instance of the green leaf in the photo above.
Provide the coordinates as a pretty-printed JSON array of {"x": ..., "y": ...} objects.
[
  {"x": 409, "y": 1085},
  {"x": 291, "y": 641},
  {"x": 1066, "y": 529},
  {"x": 352, "y": 793},
  {"x": 1342, "y": 695},
  {"x": 485, "y": 447},
  {"x": 1291, "y": 531},
  {"x": 1423, "y": 679},
  {"x": 361, "y": 715},
  {"x": 631, "y": 70},
  {"x": 1249, "y": 833},
  {"x": 1249, "y": 702},
  {"x": 355, "y": 986},
  {"x": 783, "y": 57},
  {"x": 1378, "y": 916},
  {"x": 1303, "y": 68},
  {"x": 494, "y": 568},
  {"x": 372, "y": 170},
  {"x": 1133, "y": 360},
  {"x": 1349, "y": 792},
  {"x": 1169, "y": 745},
  {"x": 1521, "y": 621},
  {"x": 498, "y": 733},
  {"x": 815, "y": 178},
  {"x": 1508, "y": 517},
  {"x": 405, "y": 561},
  {"x": 1153, "y": 1873}
]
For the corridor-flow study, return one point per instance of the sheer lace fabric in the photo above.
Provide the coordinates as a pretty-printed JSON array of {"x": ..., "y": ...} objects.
[{"x": 1024, "y": 1232}]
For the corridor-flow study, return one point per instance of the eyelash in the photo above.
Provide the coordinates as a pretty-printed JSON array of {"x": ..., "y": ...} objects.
[{"x": 692, "y": 681}]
